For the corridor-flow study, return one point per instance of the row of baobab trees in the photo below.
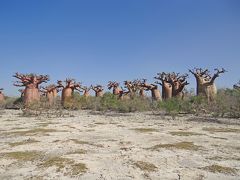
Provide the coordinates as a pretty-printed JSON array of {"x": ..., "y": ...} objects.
[{"x": 172, "y": 85}]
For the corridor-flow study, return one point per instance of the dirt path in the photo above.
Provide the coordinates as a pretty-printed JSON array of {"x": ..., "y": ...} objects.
[{"x": 89, "y": 146}]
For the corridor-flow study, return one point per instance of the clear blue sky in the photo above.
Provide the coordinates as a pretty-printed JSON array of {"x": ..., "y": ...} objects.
[{"x": 95, "y": 41}]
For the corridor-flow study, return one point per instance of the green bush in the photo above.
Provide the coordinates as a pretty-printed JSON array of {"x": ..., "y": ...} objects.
[
  {"x": 10, "y": 103},
  {"x": 226, "y": 104}
]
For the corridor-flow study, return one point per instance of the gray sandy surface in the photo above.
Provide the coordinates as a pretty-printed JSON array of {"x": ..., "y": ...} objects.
[{"x": 88, "y": 145}]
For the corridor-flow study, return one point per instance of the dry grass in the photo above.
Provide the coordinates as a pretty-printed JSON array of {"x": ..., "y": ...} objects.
[
  {"x": 17, "y": 128},
  {"x": 58, "y": 162},
  {"x": 145, "y": 166},
  {"x": 45, "y": 124},
  {"x": 28, "y": 141},
  {"x": 9, "y": 120},
  {"x": 220, "y": 169},
  {"x": 85, "y": 142},
  {"x": 62, "y": 164},
  {"x": 224, "y": 130},
  {"x": 79, "y": 151},
  {"x": 145, "y": 130},
  {"x": 100, "y": 123},
  {"x": 121, "y": 126},
  {"x": 181, "y": 145},
  {"x": 184, "y": 133},
  {"x": 33, "y": 132},
  {"x": 221, "y": 158},
  {"x": 78, "y": 169},
  {"x": 23, "y": 155}
]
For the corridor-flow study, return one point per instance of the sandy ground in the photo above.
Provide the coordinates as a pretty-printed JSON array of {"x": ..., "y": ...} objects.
[{"x": 87, "y": 145}]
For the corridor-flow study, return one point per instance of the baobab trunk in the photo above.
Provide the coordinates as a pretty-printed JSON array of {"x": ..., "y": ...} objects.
[
  {"x": 205, "y": 82},
  {"x": 51, "y": 93},
  {"x": 124, "y": 95},
  {"x": 31, "y": 83},
  {"x": 237, "y": 86},
  {"x": 55, "y": 93},
  {"x": 50, "y": 98},
  {"x": 178, "y": 82},
  {"x": 31, "y": 95},
  {"x": 99, "y": 94},
  {"x": 86, "y": 91},
  {"x": 68, "y": 90},
  {"x": 98, "y": 90},
  {"x": 115, "y": 86},
  {"x": 211, "y": 92},
  {"x": 142, "y": 93},
  {"x": 166, "y": 90},
  {"x": 22, "y": 92},
  {"x": 2, "y": 98},
  {"x": 166, "y": 86},
  {"x": 133, "y": 87},
  {"x": 86, "y": 94},
  {"x": 156, "y": 95},
  {"x": 66, "y": 94}
]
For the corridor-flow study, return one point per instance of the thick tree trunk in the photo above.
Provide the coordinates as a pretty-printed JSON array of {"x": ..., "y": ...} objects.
[
  {"x": 86, "y": 94},
  {"x": 66, "y": 94},
  {"x": 99, "y": 94},
  {"x": 2, "y": 98},
  {"x": 141, "y": 93},
  {"x": 55, "y": 93},
  {"x": 166, "y": 91},
  {"x": 156, "y": 95},
  {"x": 31, "y": 95},
  {"x": 116, "y": 91},
  {"x": 50, "y": 98},
  {"x": 211, "y": 92}
]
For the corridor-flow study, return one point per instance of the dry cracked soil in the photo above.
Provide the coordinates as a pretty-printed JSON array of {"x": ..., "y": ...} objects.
[{"x": 91, "y": 145}]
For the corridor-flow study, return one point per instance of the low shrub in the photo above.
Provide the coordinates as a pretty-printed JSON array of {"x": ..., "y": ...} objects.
[{"x": 226, "y": 104}]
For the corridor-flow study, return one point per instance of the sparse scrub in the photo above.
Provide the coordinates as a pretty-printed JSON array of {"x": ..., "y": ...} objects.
[
  {"x": 112, "y": 103},
  {"x": 145, "y": 166},
  {"x": 226, "y": 104},
  {"x": 184, "y": 133},
  {"x": 181, "y": 145},
  {"x": 9, "y": 103},
  {"x": 29, "y": 141},
  {"x": 220, "y": 169},
  {"x": 23, "y": 155},
  {"x": 64, "y": 163},
  {"x": 145, "y": 130},
  {"x": 224, "y": 130}
]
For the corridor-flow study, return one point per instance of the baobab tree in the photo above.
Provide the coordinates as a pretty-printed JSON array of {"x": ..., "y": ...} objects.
[
  {"x": 237, "y": 86},
  {"x": 115, "y": 86},
  {"x": 155, "y": 92},
  {"x": 98, "y": 89},
  {"x": 68, "y": 89},
  {"x": 205, "y": 82},
  {"x": 22, "y": 92},
  {"x": 166, "y": 86},
  {"x": 178, "y": 82},
  {"x": 2, "y": 98},
  {"x": 140, "y": 87},
  {"x": 120, "y": 92},
  {"x": 133, "y": 87},
  {"x": 124, "y": 95},
  {"x": 51, "y": 92},
  {"x": 85, "y": 91},
  {"x": 31, "y": 83}
]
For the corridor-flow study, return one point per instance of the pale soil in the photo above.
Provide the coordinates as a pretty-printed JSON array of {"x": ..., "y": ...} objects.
[{"x": 85, "y": 145}]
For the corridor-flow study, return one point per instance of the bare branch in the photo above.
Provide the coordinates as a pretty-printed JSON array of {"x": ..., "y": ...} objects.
[{"x": 217, "y": 74}]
